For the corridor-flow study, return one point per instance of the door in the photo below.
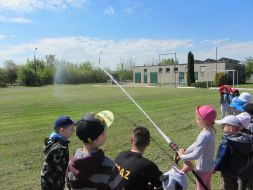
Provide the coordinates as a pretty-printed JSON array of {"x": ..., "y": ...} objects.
[
  {"x": 145, "y": 77},
  {"x": 153, "y": 77},
  {"x": 137, "y": 77},
  {"x": 181, "y": 78}
]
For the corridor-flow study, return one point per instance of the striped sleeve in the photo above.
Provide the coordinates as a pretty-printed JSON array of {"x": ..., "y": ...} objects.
[{"x": 115, "y": 180}]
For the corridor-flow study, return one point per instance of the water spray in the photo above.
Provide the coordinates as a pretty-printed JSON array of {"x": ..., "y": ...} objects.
[
  {"x": 167, "y": 139},
  {"x": 172, "y": 145}
]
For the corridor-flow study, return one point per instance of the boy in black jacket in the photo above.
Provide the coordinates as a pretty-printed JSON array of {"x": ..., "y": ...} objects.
[
  {"x": 233, "y": 152},
  {"x": 247, "y": 171},
  {"x": 57, "y": 154},
  {"x": 138, "y": 172}
]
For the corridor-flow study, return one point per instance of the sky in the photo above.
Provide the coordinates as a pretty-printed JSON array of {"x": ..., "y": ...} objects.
[{"x": 140, "y": 30}]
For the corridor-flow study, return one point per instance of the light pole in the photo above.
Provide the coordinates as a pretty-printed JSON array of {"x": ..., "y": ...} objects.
[
  {"x": 216, "y": 67},
  {"x": 99, "y": 65},
  {"x": 34, "y": 60}
]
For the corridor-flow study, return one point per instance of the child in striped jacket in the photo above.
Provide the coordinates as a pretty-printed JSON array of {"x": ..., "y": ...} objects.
[{"x": 90, "y": 168}]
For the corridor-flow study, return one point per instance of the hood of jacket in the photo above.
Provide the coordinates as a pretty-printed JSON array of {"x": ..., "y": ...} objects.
[{"x": 83, "y": 165}]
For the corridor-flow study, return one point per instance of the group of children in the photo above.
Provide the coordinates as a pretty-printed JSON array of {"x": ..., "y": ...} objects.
[
  {"x": 231, "y": 101},
  {"x": 90, "y": 169}
]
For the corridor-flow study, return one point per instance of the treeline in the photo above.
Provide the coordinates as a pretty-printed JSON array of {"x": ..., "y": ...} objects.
[{"x": 52, "y": 71}]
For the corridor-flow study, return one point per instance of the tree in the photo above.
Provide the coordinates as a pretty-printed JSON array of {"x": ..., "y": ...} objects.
[
  {"x": 11, "y": 70},
  {"x": 248, "y": 67},
  {"x": 125, "y": 70},
  {"x": 168, "y": 62},
  {"x": 190, "y": 72},
  {"x": 3, "y": 77},
  {"x": 26, "y": 76},
  {"x": 50, "y": 60}
]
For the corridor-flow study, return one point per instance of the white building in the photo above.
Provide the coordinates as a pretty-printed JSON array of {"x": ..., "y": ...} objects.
[{"x": 177, "y": 73}]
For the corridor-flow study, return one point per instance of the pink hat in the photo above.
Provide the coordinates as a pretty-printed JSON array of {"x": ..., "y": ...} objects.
[{"x": 207, "y": 114}]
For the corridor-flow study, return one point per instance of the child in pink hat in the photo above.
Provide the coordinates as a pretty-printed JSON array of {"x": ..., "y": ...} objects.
[{"x": 203, "y": 148}]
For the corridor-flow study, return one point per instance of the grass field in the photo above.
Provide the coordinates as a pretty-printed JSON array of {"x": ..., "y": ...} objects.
[{"x": 27, "y": 115}]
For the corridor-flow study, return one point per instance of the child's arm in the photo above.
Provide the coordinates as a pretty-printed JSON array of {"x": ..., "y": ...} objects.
[
  {"x": 190, "y": 148},
  {"x": 197, "y": 151},
  {"x": 222, "y": 156}
]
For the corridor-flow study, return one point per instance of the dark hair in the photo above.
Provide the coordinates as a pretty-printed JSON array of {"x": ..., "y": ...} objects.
[{"x": 141, "y": 136}]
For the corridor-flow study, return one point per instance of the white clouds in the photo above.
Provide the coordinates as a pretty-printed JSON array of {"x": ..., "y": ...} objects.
[
  {"x": 18, "y": 20},
  {"x": 131, "y": 8},
  {"x": 231, "y": 49},
  {"x": 2, "y": 36},
  {"x": 78, "y": 49},
  {"x": 31, "y": 5},
  {"x": 216, "y": 42},
  {"x": 19, "y": 7},
  {"x": 109, "y": 11},
  {"x": 142, "y": 51}
]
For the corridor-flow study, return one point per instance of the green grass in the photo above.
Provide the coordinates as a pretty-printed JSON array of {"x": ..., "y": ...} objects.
[
  {"x": 27, "y": 115},
  {"x": 246, "y": 85}
]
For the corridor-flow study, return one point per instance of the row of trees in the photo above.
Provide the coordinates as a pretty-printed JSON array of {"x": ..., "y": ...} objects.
[
  {"x": 168, "y": 61},
  {"x": 50, "y": 70}
]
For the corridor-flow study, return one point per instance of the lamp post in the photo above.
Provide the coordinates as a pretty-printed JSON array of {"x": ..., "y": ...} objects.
[
  {"x": 99, "y": 65},
  {"x": 34, "y": 60},
  {"x": 216, "y": 66}
]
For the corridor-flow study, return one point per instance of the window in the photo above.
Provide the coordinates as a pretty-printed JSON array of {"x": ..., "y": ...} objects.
[
  {"x": 175, "y": 69},
  {"x": 160, "y": 70},
  {"x": 145, "y": 70},
  {"x": 167, "y": 70}
]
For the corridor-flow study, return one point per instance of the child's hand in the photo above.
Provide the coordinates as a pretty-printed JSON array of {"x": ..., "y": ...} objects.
[
  {"x": 180, "y": 152},
  {"x": 176, "y": 158}
]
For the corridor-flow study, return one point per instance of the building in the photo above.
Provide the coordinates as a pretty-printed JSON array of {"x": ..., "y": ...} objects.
[{"x": 177, "y": 73}]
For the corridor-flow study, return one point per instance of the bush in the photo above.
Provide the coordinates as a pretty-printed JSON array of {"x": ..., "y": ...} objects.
[
  {"x": 26, "y": 77},
  {"x": 220, "y": 79},
  {"x": 199, "y": 84},
  {"x": 3, "y": 77}
]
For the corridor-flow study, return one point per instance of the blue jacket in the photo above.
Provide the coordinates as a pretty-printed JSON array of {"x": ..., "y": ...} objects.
[
  {"x": 225, "y": 99},
  {"x": 233, "y": 153}
]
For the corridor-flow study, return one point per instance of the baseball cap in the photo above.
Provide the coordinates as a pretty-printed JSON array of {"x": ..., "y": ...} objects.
[
  {"x": 244, "y": 119},
  {"x": 230, "y": 120},
  {"x": 207, "y": 114},
  {"x": 92, "y": 125},
  {"x": 245, "y": 97},
  {"x": 62, "y": 121},
  {"x": 174, "y": 179},
  {"x": 248, "y": 108},
  {"x": 238, "y": 105}
]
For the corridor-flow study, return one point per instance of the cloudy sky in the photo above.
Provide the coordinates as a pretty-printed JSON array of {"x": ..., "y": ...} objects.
[{"x": 78, "y": 30}]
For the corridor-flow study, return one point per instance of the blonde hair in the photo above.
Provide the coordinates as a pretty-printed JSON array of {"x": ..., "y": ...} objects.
[{"x": 201, "y": 123}]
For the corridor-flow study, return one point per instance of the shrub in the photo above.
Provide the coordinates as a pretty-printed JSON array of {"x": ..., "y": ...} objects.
[
  {"x": 3, "y": 77},
  {"x": 199, "y": 84},
  {"x": 220, "y": 79}
]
